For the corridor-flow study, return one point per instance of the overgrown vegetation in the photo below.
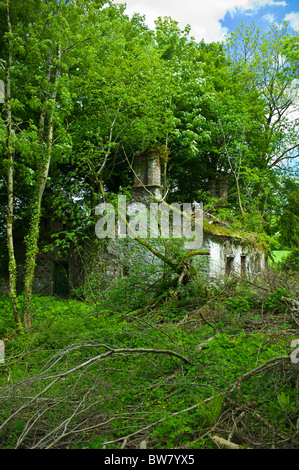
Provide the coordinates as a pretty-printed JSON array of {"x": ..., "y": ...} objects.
[
  {"x": 173, "y": 360},
  {"x": 183, "y": 372}
]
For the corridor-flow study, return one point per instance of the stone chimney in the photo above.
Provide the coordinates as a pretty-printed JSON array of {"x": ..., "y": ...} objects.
[
  {"x": 147, "y": 177},
  {"x": 219, "y": 188},
  {"x": 223, "y": 188},
  {"x": 212, "y": 187}
]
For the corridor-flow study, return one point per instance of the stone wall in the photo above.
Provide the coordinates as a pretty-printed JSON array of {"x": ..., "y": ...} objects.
[
  {"x": 230, "y": 256},
  {"x": 54, "y": 275}
]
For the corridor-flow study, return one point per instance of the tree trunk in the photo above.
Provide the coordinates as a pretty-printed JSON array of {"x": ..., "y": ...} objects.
[
  {"x": 33, "y": 235},
  {"x": 10, "y": 185}
]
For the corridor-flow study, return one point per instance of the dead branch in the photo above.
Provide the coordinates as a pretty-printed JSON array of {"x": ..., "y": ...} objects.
[
  {"x": 293, "y": 306},
  {"x": 171, "y": 415},
  {"x": 223, "y": 443},
  {"x": 266, "y": 365}
]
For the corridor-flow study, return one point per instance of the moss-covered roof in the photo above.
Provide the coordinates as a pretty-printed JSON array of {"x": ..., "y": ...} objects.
[{"x": 217, "y": 228}]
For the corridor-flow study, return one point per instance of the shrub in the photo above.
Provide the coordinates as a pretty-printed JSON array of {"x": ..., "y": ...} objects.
[
  {"x": 291, "y": 261},
  {"x": 275, "y": 303}
]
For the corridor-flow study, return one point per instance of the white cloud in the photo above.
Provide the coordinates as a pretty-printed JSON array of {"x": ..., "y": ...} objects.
[
  {"x": 293, "y": 19},
  {"x": 203, "y": 15},
  {"x": 269, "y": 18}
]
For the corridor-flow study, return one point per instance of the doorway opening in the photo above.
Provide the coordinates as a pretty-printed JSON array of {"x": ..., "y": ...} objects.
[
  {"x": 61, "y": 279},
  {"x": 243, "y": 265},
  {"x": 229, "y": 264}
]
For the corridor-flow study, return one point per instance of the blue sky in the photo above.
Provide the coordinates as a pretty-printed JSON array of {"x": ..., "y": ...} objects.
[
  {"x": 212, "y": 19},
  {"x": 264, "y": 15}
]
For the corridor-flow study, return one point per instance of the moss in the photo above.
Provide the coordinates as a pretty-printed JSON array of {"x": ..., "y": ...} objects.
[{"x": 218, "y": 229}]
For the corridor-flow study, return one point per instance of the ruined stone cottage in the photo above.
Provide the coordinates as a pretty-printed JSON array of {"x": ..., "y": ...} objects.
[{"x": 229, "y": 252}]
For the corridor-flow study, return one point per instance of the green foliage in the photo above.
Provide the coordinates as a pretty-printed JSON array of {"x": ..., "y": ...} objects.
[
  {"x": 240, "y": 303},
  {"x": 275, "y": 302},
  {"x": 213, "y": 113},
  {"x": 131, "y": 391},
  {"x": 289, "y": 221},
  {"x": 210, "y": 412},
  {"x": 291, "y": 261},
  {"x": 173, "y": 432},
  {"x": 279, "y": 255},
  {"x": 287, "y": 400}
]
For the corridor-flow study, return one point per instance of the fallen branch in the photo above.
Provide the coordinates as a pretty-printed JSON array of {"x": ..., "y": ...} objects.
[
  {"x": 223, "y": 443},
  {"x": 171, "y": 415},
  {"x": 268, "y": 364},
  {"x": 293, "y": 305},
  {"x": 206, "y": 321},
  {"x": 204, "y": 344},
  {"x": 154, "y": 351},
  {"x": 110, "y": 351},
  {"x": 197, "y": 253}
]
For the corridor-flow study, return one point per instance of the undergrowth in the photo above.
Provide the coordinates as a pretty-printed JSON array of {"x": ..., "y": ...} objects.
[{"x": 194, "y": 365}]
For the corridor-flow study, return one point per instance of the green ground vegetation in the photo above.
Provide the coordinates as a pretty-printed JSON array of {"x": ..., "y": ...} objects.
[{"x": 206, "y": 363}]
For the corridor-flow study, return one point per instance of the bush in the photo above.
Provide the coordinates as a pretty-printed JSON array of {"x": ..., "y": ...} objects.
[
  {"x": 275, "y": 303},
  {"x": 291, "y": 261},
  {"x": 241, "y": 303}
]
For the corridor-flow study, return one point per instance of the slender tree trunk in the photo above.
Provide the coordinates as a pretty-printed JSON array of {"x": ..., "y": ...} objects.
[
  {"x": 164, "y": 173},
  {"x": 33, "y": 235},
  {"x": 236, "y": 173},
  {"x": 239, "y": 196},
  {"x": 10, "y": 185}
]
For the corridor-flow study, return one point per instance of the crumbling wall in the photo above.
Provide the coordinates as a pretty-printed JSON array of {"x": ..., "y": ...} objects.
[{"x": 229, "y": 256}]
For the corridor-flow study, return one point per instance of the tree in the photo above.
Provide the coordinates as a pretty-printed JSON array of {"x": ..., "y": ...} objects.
[
  {"x": 10, "y": 48},
  {"x": 264, "y": 62},
  {"x": 120, "y": 108},
  {"x": 289, "y": 221},
  {"x": 39, "y": 48}
]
